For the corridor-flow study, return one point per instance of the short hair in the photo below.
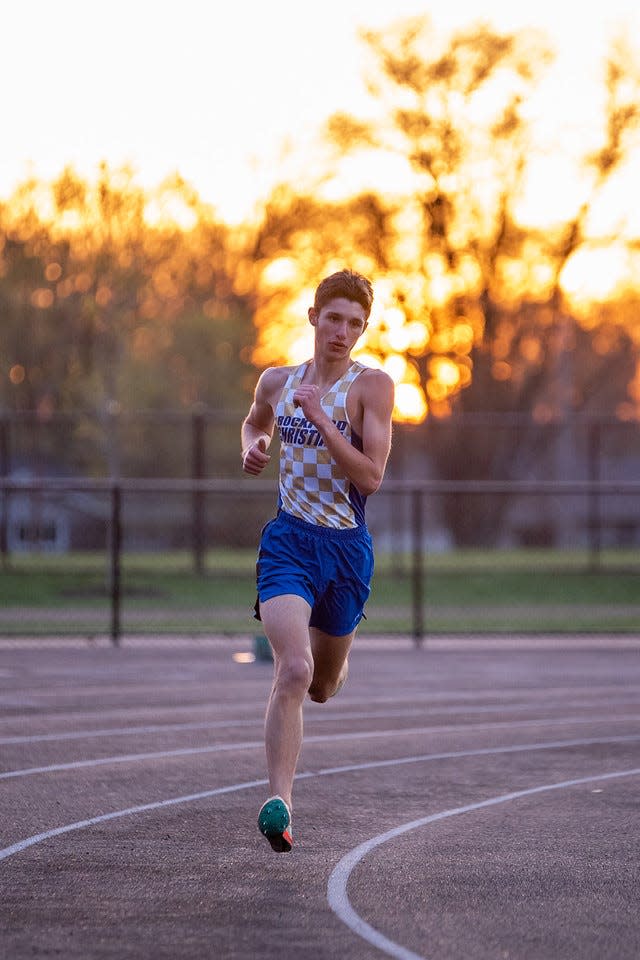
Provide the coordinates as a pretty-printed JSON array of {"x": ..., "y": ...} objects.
[{"x": 347, "y": 284}]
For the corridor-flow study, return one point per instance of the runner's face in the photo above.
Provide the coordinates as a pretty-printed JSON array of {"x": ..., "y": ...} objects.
[{"x": 338, "y": 326}]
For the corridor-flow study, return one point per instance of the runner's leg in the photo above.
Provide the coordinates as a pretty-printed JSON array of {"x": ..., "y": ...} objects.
[
  {"x": 330, "y": 663},
  {"x": 286, "y": 623}
]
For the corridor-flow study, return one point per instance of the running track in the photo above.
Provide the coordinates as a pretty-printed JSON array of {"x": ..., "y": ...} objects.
[{"x": 474, "y": 799}]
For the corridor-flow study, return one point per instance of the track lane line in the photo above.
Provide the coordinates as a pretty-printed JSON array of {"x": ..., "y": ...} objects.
[
  {"x": 318, "y": 738},
  {"x": 231, "y": 724},
  {"x": 337, "y": 885},
  {"x": 309, "y": 717},
  {"x": 306, "y": 775}
]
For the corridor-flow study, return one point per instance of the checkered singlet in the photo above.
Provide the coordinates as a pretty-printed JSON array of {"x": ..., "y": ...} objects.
[{"x": 312, "y": 486}]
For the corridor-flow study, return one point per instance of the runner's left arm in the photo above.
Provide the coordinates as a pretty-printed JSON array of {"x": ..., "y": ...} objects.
[{"x": 364, "y": 469}]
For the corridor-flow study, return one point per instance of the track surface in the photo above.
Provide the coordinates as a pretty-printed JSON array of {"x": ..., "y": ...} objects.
[{"x": 473, "y": 799}]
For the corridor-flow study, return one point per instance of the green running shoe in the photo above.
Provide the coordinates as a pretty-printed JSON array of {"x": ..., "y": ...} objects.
[{"x": 274, "y": 821}]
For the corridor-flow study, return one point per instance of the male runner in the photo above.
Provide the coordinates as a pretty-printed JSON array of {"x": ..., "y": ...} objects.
[{"x": 315, "y": 562}]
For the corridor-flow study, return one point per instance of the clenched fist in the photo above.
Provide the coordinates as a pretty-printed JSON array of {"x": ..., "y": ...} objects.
[
  {"x": 308, "y": 397},
  {"x": 255, "y": 458}
]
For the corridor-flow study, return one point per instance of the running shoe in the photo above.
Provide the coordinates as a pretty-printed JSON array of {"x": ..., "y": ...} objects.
[{"x": 274, "y": 821}]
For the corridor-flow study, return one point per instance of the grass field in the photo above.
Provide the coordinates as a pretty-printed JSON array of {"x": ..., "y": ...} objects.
[{"x": 465, "y": 591}]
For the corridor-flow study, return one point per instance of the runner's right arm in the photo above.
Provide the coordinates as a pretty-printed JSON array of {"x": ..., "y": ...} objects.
[{"x": 257, "y": 428}]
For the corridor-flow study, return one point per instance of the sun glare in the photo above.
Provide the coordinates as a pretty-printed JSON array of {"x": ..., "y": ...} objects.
[
  {"x": 445, "y": 371},
  {"x": 396, "y": 366},
  {"x": 410, "y": 403},
  {"x": 552, "y": 193},
  {"x": 437, "y": 208},
  {"x": 280, "y": 272},
  {"x": 169, "y": 212},
  {"x": 596, "y": 274}
]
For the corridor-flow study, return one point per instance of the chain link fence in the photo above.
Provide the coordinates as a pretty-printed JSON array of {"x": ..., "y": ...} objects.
[
  {"x": 178, "y": 557},
  {"x": 485, "y": 522}
]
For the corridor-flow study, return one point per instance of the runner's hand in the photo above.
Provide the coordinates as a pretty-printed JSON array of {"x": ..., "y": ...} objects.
[
  {"x": 308, "y": 397},
  {"x": 255, "y": 458}
]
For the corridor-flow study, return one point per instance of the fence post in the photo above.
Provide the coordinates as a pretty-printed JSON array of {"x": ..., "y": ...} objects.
[
  {"x": 5, "y": 469},
  {"x": 115, "y": 551},
  {"x": 417, "y": 580},
  {"x": 399, "y": 505},
  {"x": 595, "y": 516},
  {"x": 198, "y": 424}
]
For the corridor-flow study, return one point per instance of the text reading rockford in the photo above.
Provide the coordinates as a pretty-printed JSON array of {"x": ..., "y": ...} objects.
[{"x": 302, "y": 432}]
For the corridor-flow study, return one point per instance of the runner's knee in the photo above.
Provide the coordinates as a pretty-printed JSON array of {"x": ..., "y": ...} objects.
[
  {"x": 294, "y": 675},
  {"x": 319, "y": 692}
]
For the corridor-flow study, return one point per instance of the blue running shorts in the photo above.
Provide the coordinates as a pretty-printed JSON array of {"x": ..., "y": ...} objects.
[{"x": 330, "y": 568}]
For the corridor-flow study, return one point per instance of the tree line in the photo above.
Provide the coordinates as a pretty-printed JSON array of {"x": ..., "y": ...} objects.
[{"x": 116, "y": 298}]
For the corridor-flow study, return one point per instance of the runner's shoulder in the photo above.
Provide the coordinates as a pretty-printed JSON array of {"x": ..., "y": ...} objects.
[
  {"x": 272, "y": 381},
  {"x": 373, "y": 380}
]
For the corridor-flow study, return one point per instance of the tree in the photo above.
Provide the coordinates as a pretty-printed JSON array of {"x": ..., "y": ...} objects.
[
  {"x": 477, "y": 318},
  {"x": 300, "y": 239},
  {"x": 113, "y": 298}
]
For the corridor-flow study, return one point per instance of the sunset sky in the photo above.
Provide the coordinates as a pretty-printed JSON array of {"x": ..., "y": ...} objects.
[{"x": 216, "y": 90}]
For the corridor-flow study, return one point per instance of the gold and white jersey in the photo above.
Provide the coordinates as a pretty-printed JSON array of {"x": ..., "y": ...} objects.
[{"x": 312, "y": 485}]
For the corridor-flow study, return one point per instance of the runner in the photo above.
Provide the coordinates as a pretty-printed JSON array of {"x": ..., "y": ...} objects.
[{"x": 315, "y": 561}]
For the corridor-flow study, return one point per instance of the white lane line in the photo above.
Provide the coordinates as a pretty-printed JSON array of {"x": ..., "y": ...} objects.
[
  {"x": 484, "y": 752},
  {"x": 432, "y": 698},
  {"x": 311, "y": 717},
  {"x": 131, "y": 758},
  {"x": 47, "y": 691},
  {"x": 116, "y": 814},
  {"x": 306, "y": 775},
  {"x": 319, "y": 738},
  {"x": 337, "y": 884},
  {"x": 128, "y": 731}
]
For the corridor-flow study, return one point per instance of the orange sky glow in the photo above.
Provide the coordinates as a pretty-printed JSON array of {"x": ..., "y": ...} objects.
[{"x": 234, "y": 98}]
